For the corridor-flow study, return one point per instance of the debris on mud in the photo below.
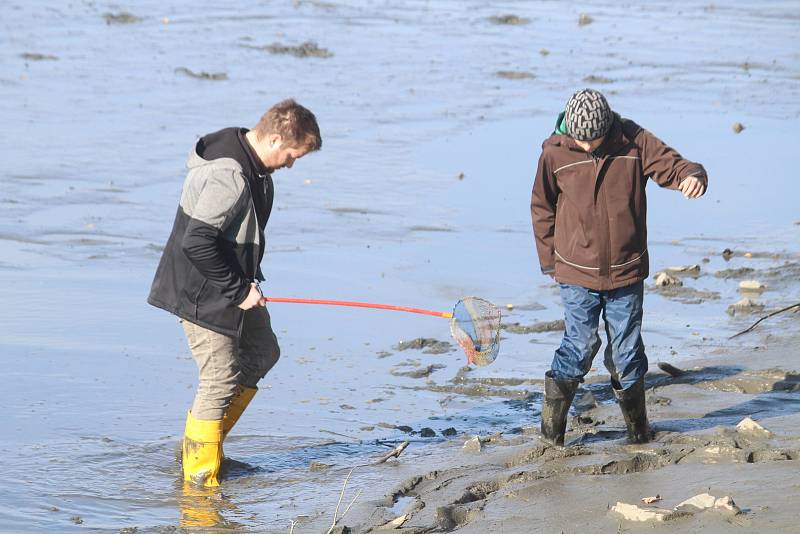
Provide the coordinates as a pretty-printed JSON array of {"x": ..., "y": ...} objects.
[
  {"x": 510, "y": 20},
  {"x": 535, "y": 328},
  {"x": 584, "y": 19},
  {"x": 34, "y": 56},
  {"x": 745, "y": 305},
  {"x": 747, "y": 425},
  {"x": 202, "y": 75},
  {"x": 727, "y": 254},
  {"x": 738, "y": 127},
  {"x": 303, "y": 50},
  {"x": 514, "y": 74},
  {"x": 734, "y": 273},
  {"x": 684, "y": 269},
  {"x": 670, "y": 369},
  {"x": 639, "y": 514},
  {"x": 544, "y": 52},
  {"x": 315, "y": 467},
  {"x": 686, "y": 295},
  {"x": 121, "y": 18},
  {"x": 473, "y": 444},
  {"x": 593, "y": 78},
  {"x": 426, "y": 344},
  {"x": 418, "y": 373}
]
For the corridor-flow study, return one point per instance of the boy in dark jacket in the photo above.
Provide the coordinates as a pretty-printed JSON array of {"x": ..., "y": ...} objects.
[
  {"x": 589, "y": 214},
  {"x": 209, "y": 271}
]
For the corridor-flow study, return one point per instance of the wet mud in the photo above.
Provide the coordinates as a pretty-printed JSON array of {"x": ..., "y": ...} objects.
[
  {"x": 202, "y": 75},
  {"x": 303, "y": 50},
  {"x": 418, "y": 198}
]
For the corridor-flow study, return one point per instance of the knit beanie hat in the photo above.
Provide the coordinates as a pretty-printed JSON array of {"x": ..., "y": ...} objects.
[{"x": 588, "y": 115}]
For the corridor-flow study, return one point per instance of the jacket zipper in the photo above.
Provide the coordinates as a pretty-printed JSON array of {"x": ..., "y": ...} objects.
[
  {"x": 258, "y": 237},
  {"x": 605, "y": 243}
]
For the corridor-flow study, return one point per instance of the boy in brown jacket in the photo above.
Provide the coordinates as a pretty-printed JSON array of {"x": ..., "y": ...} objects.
[{"x": 589, "y": 219}]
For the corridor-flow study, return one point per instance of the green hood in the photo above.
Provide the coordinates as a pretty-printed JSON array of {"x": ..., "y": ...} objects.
[{"x": 561, "y": 125}]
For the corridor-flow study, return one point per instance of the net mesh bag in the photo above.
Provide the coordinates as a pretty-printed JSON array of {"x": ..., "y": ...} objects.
[{"x": 475, "y": 325}]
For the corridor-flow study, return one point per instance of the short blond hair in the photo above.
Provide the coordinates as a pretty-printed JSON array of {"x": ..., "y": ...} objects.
[{"x": 293, "y": 122}]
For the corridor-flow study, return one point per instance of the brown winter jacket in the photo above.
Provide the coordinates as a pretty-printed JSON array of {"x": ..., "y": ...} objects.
[{"x": 589, "y": 211}]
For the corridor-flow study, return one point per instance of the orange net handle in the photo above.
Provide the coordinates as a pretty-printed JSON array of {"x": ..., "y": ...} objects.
[{"x": 446, "y": 315}]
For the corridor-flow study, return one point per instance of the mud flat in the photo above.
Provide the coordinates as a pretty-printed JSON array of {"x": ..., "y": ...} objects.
[{"x": 705, "y": 449}]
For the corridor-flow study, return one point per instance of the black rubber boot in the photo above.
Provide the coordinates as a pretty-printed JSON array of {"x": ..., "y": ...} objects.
[
  {"x": 631, "y": 402},
  {"x": 558, "y": 395}
]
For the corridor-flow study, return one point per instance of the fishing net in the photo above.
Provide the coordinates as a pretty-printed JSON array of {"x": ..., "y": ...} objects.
[{"x": 475, "y": 325}]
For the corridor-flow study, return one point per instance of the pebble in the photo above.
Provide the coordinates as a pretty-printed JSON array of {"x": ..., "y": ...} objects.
[{"x": 473, "y": 444}]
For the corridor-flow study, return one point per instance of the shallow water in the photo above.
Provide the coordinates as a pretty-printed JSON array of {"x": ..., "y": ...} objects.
[{"x": 97, "y": 382}]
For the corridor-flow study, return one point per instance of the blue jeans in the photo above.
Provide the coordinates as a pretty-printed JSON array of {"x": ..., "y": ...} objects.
[{"x": 622, "y": 313}]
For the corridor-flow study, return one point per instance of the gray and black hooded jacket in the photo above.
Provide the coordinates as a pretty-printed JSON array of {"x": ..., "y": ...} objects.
[{"x": 217, "y": 239}]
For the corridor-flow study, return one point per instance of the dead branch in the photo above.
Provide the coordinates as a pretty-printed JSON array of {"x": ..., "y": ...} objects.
[
  {"x": 341, "y": 495},
  {"x": 787, "y": 308},
  {"x": 394, "y": 453}
]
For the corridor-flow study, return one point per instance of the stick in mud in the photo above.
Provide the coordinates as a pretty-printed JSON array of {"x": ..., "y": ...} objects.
[
  {"x": 394, "y": 453},
  {"x": 336, "y": 512},
  {"x": 746, "y": 330}
]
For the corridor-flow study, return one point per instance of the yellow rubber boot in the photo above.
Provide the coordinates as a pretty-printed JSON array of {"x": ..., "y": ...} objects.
[
  {"x": 202, "y": 451},
  {"x": 236, "y": 408}
]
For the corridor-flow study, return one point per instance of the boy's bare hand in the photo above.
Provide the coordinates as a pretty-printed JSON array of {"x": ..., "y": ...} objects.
[
  {"x": 693, "y": 186},
  {"x": 254, "y": 298}
]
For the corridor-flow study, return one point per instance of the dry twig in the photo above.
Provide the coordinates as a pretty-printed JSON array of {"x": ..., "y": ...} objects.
[
  {"x": 336, "y": 517},
  {"x": 394, "y": 453},
  {"x": 746, "y": 330}
]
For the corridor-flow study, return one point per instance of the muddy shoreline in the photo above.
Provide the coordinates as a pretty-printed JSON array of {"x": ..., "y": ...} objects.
[{"x": 515, "y": 483}]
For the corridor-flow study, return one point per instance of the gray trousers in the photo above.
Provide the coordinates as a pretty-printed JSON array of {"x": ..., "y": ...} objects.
[{"x": 225, "y": 363}]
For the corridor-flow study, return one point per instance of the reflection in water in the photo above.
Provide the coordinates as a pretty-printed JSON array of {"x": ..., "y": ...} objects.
[{"x": 200, "y": 506}]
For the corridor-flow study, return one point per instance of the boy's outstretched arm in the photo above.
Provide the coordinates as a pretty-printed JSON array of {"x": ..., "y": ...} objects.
[
  {"x": 668, "y": 168},
  {"x": 543, "y": 215}
]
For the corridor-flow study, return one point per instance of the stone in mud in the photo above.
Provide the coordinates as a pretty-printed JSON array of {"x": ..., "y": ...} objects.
[
  {"x": 404, "y": 428},
  {"x": 202, "y": 75},
  {"x": 306, "y": 49},
  {"x": 584, "y": 19},
  {"x": 751, "y": 285},
  {"x": 738, "y": 127},
  {"x": 427, "y": 432},
  {"x": 33, "y": 56},
  {"x": 727, "y": 254},
  {"x": 632, "y": 512},
  {"x": 726, "y": 504},
  {"x": 474, "y": 444},
  {"x": 535, "y": 328},
  {"x": 664, "y": 279},
  {"x": 121, "y": 18},
  {"x": 698, "y": 503},
  {"x": 426, "y": 344},
  {"x": 745, "y": 305},
  {"x": 544, "y": 52},
  {"x": 514, "y": 74},
  {"x": 448, "y": 432},
  {"x": 511, "y": 20},
  {"x": 748, "y": 425}
]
